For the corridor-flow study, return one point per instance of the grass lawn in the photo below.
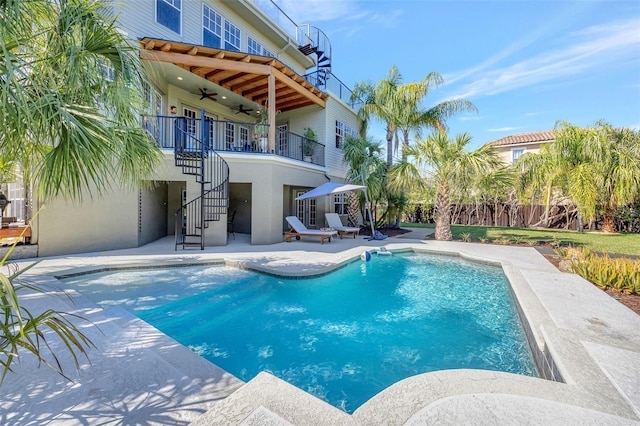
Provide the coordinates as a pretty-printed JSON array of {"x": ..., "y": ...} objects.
[{"x": 596, "y": 241}]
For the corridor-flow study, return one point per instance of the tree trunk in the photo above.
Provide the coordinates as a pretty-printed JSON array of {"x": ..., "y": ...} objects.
[
  {"x": 443, "y": 213},
  {"x": 353, "y": 209},
  {"x": 390, "y": 134},
  {"x": 609, "y": 221},
  {"x": 579, "y": 224},
  {"x": 547, "y": 207}
]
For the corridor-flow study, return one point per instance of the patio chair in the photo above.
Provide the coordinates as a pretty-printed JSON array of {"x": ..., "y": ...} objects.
[
  {"x": 297, "y": 229},
  {"x": 333, "y": 221}
]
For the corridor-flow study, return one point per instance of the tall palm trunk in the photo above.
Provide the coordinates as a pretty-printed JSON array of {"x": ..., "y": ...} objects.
[
  {"x": 609, "y": 221},
  {"x": 443, "y": 213},
  {"x": 390, "y": 134},
  {"x": 353, "y": 212},
  {"x": 547, "y": 207}
]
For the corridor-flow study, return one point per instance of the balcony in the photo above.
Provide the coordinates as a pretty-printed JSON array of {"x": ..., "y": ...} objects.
[
  {"x": 231, "y": 136},
  {"x": 335, "y": 86}
]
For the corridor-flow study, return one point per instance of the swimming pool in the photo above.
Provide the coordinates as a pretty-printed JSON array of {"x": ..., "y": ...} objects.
[{"x": 344, "y": 336}]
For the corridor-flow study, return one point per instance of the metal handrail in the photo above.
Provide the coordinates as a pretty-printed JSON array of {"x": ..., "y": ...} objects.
[
  {"x": 195, "y": 154},
  {"x": 335, "y": 86},
  {"x": 231, "y": 136}
]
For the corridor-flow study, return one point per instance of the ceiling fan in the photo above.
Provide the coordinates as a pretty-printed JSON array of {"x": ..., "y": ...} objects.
[
  {"x": 242, "y": 109},
  {"x": 204, "y": 94}
]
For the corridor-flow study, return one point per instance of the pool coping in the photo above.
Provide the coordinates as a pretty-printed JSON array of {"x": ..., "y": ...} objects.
[{"x": 571, "y": 330}]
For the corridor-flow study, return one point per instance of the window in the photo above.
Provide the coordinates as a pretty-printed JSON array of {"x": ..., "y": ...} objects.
[
  {"x": 342, "y": 131},
  {"x": 211, "y": 28},
  {"x": 244, "y": 138},
  {"x": 168, "y": 14},
  {"x": 515, "y": 153},
  {"x": 106, "y": 71},
  {"x": 340, "y": 203},
  {"x": 152, "y": 109},
  {"x": 256, "y": 48},
  {"x": 230, "y": 136},
  {"x": 231, "y": 36}
]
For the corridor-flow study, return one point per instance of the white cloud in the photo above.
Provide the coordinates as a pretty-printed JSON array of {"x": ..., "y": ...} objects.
[
  {"x": 597, "y": 46},
  {"x": 503, "y": 129},
  {"x": 469, "y": 118}
]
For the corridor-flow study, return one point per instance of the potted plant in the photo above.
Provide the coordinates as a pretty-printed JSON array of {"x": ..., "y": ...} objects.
[
  {"x": 309, "y": 143},
  {"x": 261, "y": 132}
]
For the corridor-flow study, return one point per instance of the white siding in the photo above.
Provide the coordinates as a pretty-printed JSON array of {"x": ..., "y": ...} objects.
[
  {"x": 137, "y": 18},
  {"x": 337, "y": 110}
]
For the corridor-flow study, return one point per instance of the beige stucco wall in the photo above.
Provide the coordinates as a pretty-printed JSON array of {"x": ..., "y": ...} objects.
[
  {"x": 268, "y": 176},
  {"x": 97, "y": 224},
  {"x": 505, "y": 152}
]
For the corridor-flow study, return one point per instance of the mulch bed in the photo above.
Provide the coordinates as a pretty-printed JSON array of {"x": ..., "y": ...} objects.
[{"x": 389, "y": 232}]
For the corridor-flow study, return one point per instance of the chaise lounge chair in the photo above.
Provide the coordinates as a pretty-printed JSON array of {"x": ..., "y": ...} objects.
[
  {"x": 297, "y": 229},
  {"x": 333, "y": 221}
]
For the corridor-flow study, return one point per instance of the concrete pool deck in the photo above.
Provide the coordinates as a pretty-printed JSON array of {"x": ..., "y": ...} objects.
[{"x": 137, "y": 375}]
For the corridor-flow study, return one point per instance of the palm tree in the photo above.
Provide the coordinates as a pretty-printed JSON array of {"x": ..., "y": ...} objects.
[
  {"x": 71, "y": 96},
  {"x": 619, "y": 162},
  {"x": 446, "y": 164},
  {"x": 597, "y": 167},
  {"x": 381, "y": 101},
  {"x": 398, "y": 105},
  {"x": 366, "y": 167},
  {"x": 70, "y": 107}
]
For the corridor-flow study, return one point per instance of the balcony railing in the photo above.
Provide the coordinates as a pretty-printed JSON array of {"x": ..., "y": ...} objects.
[
  {"x": 335, "y": 86},
  {"x": 232, "y": 136}
]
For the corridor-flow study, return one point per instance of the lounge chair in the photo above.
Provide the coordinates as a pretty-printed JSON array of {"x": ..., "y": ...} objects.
[
  {"x": 333, "y": 221},
  {"x": 297, "y": 229}
]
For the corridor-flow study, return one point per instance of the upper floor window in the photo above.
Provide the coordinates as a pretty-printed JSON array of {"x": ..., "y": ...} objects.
[
  {"x": 168, "y": 14},
  {"x": 515, "y": 153},
  {"x": 231, "y": 36},
  {"x": 256, "y": 48},
  {"x": 211, "y": 28},
  {"x": 342, "y": 131}
]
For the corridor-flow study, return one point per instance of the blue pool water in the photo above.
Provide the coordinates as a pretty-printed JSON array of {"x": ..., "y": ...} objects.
[{"x": 344, "y": 336}]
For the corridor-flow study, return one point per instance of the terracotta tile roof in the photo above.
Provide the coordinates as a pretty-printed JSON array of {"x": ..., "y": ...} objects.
[{"x": 521, "y": 138}]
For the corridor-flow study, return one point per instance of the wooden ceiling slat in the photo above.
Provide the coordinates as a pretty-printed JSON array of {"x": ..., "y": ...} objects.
[
  {"x": 239, "y": 72},
  {"x": 234, "y": 77},
  {"x": 250, "y": 82}
]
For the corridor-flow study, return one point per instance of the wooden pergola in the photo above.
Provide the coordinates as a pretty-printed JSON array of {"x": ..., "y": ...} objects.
[{"x": 258, "y": 78}]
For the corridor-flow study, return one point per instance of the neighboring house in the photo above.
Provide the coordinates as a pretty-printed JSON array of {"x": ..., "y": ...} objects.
[
  {"x": 511, "y": 147},
  {"x": 233, "y": 88}
]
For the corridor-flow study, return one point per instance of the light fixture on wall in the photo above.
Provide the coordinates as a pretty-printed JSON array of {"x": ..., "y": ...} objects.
[{"x": 173, "y": 110}]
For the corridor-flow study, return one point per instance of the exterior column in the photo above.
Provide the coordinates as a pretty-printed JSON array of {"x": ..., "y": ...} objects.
[{"x": 271, "y": 111}]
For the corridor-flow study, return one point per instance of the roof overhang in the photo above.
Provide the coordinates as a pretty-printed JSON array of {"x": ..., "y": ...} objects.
[{"x": 244, "y": 74}]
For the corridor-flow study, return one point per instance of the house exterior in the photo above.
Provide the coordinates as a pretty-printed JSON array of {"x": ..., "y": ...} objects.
[
  {"x": 233, "y": 87},
  {"x": 511, "y": 147}
]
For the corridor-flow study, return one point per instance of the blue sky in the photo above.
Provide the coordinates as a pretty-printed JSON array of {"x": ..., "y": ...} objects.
[{"x": 524, "y": 64}]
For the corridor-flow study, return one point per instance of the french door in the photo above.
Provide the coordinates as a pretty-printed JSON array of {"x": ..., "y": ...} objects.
[{"x": 306, "y": 210}]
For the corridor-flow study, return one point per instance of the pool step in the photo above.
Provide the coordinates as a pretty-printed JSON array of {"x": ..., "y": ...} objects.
[{"x": 269, "y": 400}]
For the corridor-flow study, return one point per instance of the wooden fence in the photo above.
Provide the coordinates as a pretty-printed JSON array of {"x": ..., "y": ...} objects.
[{"x": 506, "y": 215}]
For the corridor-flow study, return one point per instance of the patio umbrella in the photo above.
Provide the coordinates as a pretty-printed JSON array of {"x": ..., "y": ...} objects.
[
  {"x": 336, "y": 188},
  {"x": 330, "y": 188}
]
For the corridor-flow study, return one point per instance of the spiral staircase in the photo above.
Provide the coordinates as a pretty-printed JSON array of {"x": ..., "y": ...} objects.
[{"x": 194, "y": 153}]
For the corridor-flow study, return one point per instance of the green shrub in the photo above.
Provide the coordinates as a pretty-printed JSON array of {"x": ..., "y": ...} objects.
[
  {"x": 465, "y": 236},
  {"x": 622, "y": 274},
  {"x": 503, "y": 241}
]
